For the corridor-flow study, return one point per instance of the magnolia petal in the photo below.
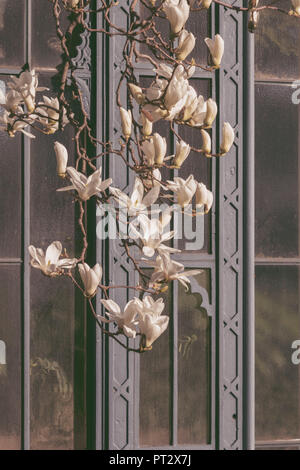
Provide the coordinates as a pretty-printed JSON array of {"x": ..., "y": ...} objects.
[
  {"x": 111, "y": 306},
  {"x": 53, "y": 252}
]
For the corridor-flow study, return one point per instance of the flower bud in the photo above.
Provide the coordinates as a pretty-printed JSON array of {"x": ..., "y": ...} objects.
[
  {"x": 160, "y": 146},
  {"x": 253, "y": 21},
  {"x": 177, "y": 13},
  {"x": 61, "y": 159},
  {"x": 296, "y": 7},
  {"x": 147, "y": 125},
  {"x": 185, "y": 45},
  {"x": 228, "y": 138},
  {"x": 211, "y": 112},
  {"x": 206, "y": 143},
  {"x": 137, "y": 93},
  {"x": 205, "y": 3},
  {"x": 126, "y": 122},
  {"x": 216, "y": 49},
  {"x": 204, "y": 197},
  {"x": 182, "y": 152}
]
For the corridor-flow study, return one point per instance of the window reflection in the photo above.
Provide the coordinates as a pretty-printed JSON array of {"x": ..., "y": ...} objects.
[
  {"x": 175, "y": 379},
  {"x": 194, "y": 349},
  {"x": 12, "y": 20},
  {"x": 277, "y": 44},
  {"x": 277, "y": 326}
]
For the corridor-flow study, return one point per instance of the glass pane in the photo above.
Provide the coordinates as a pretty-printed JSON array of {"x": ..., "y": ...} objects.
[
  {"x": 52, "y": 349},
  {"x": 53, "y": 304},
  {"x": 12, "y": 42},
  {"x": 198, "y": 24},
  {"x": 277, "y": 378},
  {"x": 161, "y": 25},
  {"x": 194, "y": 337},
  {"x": 10, "y": 358},
  {"x": 10, "y": 183},
  {"x": 197, "y": 237},
  {"x": 155, "y": 390},
  {"x": 277, "y": 172},
  {"x": 46, "y": 49},
  {"x": 277, "y": 44}
]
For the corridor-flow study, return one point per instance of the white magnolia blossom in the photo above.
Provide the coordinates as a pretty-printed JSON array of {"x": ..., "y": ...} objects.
[
  {"x": 198, "y": 115},
  {"x": 197, "y": 112},
  {"x": 61, "y": 158},
  {"x": 228, "y": 138},
  {"x": 168, "y": 95},
  {"x": 191, "y": 104},
  {"x": 152, "y": 179},
  {"x": 182, "y": 152},
  {"x": 204, "y": 197},
  {"x": 137, "y": 202},
  {"x": 147, "y": 125},
  {"x": 183, "y": 189},
  {"x": 296, "y": 6},
  {"x": 166, "y": 270},
  {"x": 176, "y": 93},
  {"x": 211, "y": 112},
  {"x": 125, "y": 319},
  {"x": 216, "y": 49},
  {"x": 86, "y": 187},
  {"x": 206, "y": 143},
  {"x": 177, "y": 12},
  {"x": 90, "y": 277},
  {"x": 154, "y": 112},
  {"x": 126, "y": 122},
  {"x": 136, "y": 92},
  {"x": 152, "y": 233},
  {"x": 156, "y": 89},
  {"x": 150, "y": 321},
  {"x": 49, "y": 262},
  {"x": 143, "y": 315},
  {"x": 186, "y": 44},
  {"x": 154, "y": 150},
  {"x": 47, "y": 113},
  {"x": 27, "y": 86},
  {"x": 164, "y": 70},
  {"x": 12, "y": 124},
  {"x": 11, "y": 101}
]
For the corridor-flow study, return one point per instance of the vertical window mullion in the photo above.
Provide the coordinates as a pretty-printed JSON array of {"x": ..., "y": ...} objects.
[
  {"x": 26, "y": 265},
  {"x": 174, "y": 367}
]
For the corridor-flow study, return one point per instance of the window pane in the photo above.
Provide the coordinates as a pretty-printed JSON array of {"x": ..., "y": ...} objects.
[
  {"x": 10, "y": 183},
  {"x": 155, "y": 389},
  {"x": 53, "y": 314},
  {"x": 200, "y": 167},
  {"x": 194, "y": 337},
  {"x": 46, "y": 49},
  {"x": 52, "y": 349},
  {"x": 12, "y": 43},
  {"x": 277, "y": 172},
  {"x": 277, "y": 378},
  {"x": 277, "y": 44},
  {"x": 10, "y": 358},
  {"x": 198, "y": 24}
]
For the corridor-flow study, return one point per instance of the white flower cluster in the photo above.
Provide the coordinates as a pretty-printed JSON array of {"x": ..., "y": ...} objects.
[
  {"x": 170, "y": 97},
  {"x": 20, "y": 109}
]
